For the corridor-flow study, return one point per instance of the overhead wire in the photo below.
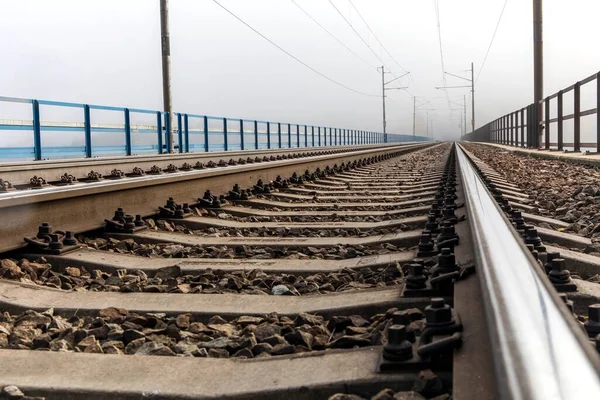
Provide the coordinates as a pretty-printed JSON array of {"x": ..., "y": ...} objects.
[
  {"x": 492, "y": 41},
  {"x": 333, "y": 36},
  {"x": 375, "y": 36},
  {"x": 292, "y": 56},
  {"x": 382, "y": 46},
  {"x": 439, "y": 30},
  {"x": 356, "y": 32}
]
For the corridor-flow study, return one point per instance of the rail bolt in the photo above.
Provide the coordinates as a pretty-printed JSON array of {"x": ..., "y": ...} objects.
[
  {"x": 592, "y": 325},
  {"x": 178, "y": 212},
  {"x": 448, "y": 214},
  {"x": 139, "y": 221},
  {"x": 55, "y": 243},
  {"x": 416, "y": 279},
  {"x": 531, "y": 237},
  {"x": 398, "y": 348},
  {"x": 69, "y": 239},
  {"x": 438, "y": 313},
  {"x": 426, "y": 247},
  {"x": 549, "y": 257},
  {"x": 44, "y": 229},
  {"x": 447, "y": 261},
  {"x": 560, "y": 277},
  {"x": 432, "y": 224}
]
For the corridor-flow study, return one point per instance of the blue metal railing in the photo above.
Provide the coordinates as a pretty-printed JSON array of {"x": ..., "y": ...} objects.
[{"x": 193, "y": 133}]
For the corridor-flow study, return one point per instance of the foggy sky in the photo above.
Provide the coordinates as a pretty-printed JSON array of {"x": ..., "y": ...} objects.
[{"x": 108, "y": 52}]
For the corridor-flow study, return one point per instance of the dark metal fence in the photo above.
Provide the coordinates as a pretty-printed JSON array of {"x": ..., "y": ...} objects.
[{"x": 519, "y": 127}]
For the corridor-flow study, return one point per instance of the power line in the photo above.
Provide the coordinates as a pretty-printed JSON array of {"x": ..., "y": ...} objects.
[
  {"x": 292, "y": 56},
  {"x": 331, "y": 34},
  {"x": 439, "y": 29},
  {"x": 381, "y": 44},
  {"x": 492, "y": 41},
  {"x": 355, "y": 31}
]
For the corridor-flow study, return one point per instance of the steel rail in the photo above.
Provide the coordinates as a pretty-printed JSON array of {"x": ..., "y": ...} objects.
[{"x": 537, "y": 351}]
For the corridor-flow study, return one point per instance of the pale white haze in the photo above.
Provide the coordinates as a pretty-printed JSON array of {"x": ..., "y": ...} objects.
[{"x": 108, "y": 52}]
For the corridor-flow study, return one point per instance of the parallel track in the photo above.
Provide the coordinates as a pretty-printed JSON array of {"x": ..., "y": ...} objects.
[{"x": 354, "y": 243}]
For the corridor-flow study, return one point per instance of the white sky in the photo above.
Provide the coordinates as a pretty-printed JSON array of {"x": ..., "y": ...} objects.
[{"x": 108, "y": 52}]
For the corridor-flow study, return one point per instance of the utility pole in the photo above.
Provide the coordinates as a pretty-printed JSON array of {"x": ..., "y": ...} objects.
[
  {"x": 538, "y": 64},
  {"x": 165, "y": 43},
  {"x": 472, "y": 86},
  {"x": 383, "y": 89}
]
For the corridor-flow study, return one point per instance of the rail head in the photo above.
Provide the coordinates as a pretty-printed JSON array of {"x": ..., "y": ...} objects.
[{"x": 538, "y": 353}]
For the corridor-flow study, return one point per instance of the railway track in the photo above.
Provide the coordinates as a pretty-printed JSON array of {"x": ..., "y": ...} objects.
[{"x": 394, "y": 275}]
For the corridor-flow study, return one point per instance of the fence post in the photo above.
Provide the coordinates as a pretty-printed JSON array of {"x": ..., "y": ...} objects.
[
  {"x": 512, "y": 129},
  {"x": 255, "y": 135},
  {"x": 559, "y": 122},
  {"x": 127, "y": 131},
  {"x": 305, "y": 136},
  {"x": 225, "y": 144},
  {"x": 159, "y": 131},
  {"x": 598, "y": 112},
  {"x": 313, "y": 136},
  {"x": 206, "y": 139},
  {"x": 186, "y": 132},
  {"x": 319, "y": 136},
  {"x": 168, "y": 132},
  {"x": 297, "y": 136},
  {"x": 179, "y": 133},
  {"x": 87, "y": 123},
  {"x": 268, "y": 135},
  {"x": 547, "y": 124},
  {"x": 279, "y": 133},
  {"x": 37, "y": 130},
  {"x": 289, "y": 136},
  {"x": 577, "y": 118},
  {"x": 241, "y": 134}
]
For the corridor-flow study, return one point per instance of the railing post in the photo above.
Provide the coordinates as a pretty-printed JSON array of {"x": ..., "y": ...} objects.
[
  {"x": 598, "y": 112},
  {"x": 577, "y": 117},
  {"x": 159, "y": 131},
  {"x": 559, "y": 122},
  {"x": 547, "y": 124},
  {"x": 87, "y": 127},
  {"x": 268, "y": 135},
  {"x": 313, "y": 136},
  {"x": 206, "y": 138},
  {"x": 179, "y": 133},
  {"x": 186, "y": 132},
  {"x": 225, "y": 144},
  {"x": 325, "y": 135},
  {"x": 256, "y": 135},
  {"x": 297, "y": 136},
  {"x": 241, "y": 134},
  {"x": 127, "y": 121},
  {"x": 37, "y": 130},
  {"x": 305, "y": 136},
  {"x": 512, "y": 129},
  {"x": 168, "y": 132},
  {"x": 523, "y": 143},
  {"x": 505, "y": 130},
  {"x": 330, "y": 136},
  {"x": 319, "y": 136},
  {"x": 279, "y": 133}
]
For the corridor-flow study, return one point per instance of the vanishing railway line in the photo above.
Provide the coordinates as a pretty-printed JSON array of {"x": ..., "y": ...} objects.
[{"x": 372, "y": 272}]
